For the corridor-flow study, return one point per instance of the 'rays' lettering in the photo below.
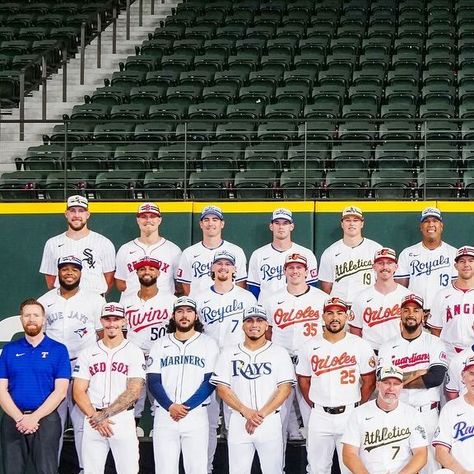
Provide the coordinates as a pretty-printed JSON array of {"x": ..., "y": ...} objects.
[{"x": 250, "y": 371}]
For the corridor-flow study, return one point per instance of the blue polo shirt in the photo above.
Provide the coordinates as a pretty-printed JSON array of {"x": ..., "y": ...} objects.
[{"x": 32, "y": 371}]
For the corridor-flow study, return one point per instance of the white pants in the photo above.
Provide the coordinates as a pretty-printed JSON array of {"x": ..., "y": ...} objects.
[
  {"x": 286, "y": 410},
  {"x": 140, "y": 403},
  {"x": 213, "y": 412},
  {"x": 430, "y": 422}
]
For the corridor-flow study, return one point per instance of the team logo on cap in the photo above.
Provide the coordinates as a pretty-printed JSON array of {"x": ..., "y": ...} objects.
[
  {"x": 336, "y": 301},
  {"x": 282, "y": 213},
  {"x": 69, "y": 260},
  {"x": 255, "y": 312},
  {"x": 431, "y": 212},
  {"x": 296, "y": 258},
  {"x": 113, "y": 309},
  {"x": 184, "y": 301},
  {"x": 469, "y": 362},
  {"x": 212, "y": 210},
  {"x": 147, "y": 262},
  {"x": 412, "y": 298},
  {"x": 352, "y": 211},
  {"x": 149, "y": 207},
  {"x": 466, "y": 251},
  {"x": 390, "y": 371},
  {"x": 386, "y": 252},
  {"x": 77, "y": 200},
  {"x": 224, "y": 255}
]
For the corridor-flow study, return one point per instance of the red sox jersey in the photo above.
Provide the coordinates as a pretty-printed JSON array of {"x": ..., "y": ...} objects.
[
  {"x": 335, "y": 369},
  {"x": 108, "y": 370},
  {"x": 96, "y": 252},
  {"x": 166, "y": 252},
  {"x": 454, "y": 381}
]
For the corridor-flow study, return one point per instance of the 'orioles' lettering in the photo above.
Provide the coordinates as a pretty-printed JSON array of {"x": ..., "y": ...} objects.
[
  {"x": 287, "y": 318},
  {"x": 372, "y": 317},
  {"x": 328, "y": 364}
]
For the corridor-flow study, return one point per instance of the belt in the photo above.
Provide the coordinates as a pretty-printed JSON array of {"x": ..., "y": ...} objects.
[
  {"x": 102, "y": 409},
  {"x": 28, "y": 412},
  {"x": 338, "y": 410},
  {"x": 73, "y": 359},
  {"x": 428, "y": 407}
]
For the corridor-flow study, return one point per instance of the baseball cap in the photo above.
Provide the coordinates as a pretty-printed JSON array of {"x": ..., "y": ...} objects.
[
  {"x": 336, "y": 301},
  {"x": 224, "y": 255},
  {"x": 149, "y": 207},
  {"x": 113, "y": 309},
  {"x": 386, "y": 252},
  {"x": 184, "y": 301},
  {"x": 464, "y": 251},
  {"x": 431, "y": 212},
  {"x": 390, "y": 371},
  {"x": 352, "y": 211},
  {"x": 282, "y": 213},
  {"x": 212, "y": 210},
  {"x": 469, "y": 362},
  {"x": 147, "y": 262},
  {"x": 255, "y": 312},
  {"x": 296, "y": 258},
  {"x": 412, "y": 298},
  {"x": 77, "y": 201},
  {"x": 70, "y": 260}
]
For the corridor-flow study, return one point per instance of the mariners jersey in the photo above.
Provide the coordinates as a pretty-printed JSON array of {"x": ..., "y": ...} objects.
[
  {"x": 108, "y": 370},
  {"x": 147, "y": 320},
  {"x": 454, "y": 381},
  {"x": 96, "y": 252},
  {"x": 386, "y": 440},
  {"x": 378, "y": 315},
  {"x": 73, "y": 321},
  {"x": 221, "y": 313},
  {"x": 254, "y": 375},
  {"x": 420, "y": 353},
  {"x": 294, "y": 319},
  {"x": 335, "y": 369},
  {"x": 429, "y": 271},
  {"x": 349, "y": 269},
  {"x": 196, "y": 261},
  {"x": 167, "y": 253}
]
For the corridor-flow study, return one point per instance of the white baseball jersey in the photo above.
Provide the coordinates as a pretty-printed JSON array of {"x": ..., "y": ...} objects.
[
  {"x": 417, "y": 354},
  {"x": 222, "y": 314},
  {"x": 378, "y": 315},
  {"x": 167, "y": 253},
  {"x": 147, "y": 320},
  {"x": 349, "y": 269},
  {"x": 254, "y": 375},
  {"x": 454, "y": 381},
  {"x": 294, "y": 319},
  {"x": 196, "y": 261},
  {"x": 73, "y": 321},
  {"x": 429, "y": 271},
  {"x": 385, "y": 439},
  {"x": 108, "y": 370},
  {"x": 335, "y": 369},
  {"x": 96, "y": 252}
]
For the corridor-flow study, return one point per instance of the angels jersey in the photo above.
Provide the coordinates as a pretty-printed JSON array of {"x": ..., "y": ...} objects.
[{"x": 454, "y": 381}]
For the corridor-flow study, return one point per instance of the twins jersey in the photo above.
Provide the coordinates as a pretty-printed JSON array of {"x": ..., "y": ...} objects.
[
  {"x": 429, "y": 271},
  {"x": 108, "y": 370},
  {"x": 222, "y": 314},
  {"x": 73, "y": 321},
  {"x": 182, "y": 364},
  {"x": 294, "y": 318},
  {"x": 416, "y": 354},
  {"x": 349, "y": 269},
  {"x": 196, "y": 261},
  {"x": 335, "y": 369},
  {"x": 385, "y": 439},
  {"x": 96, "y": 252},
  {"x": 454, "y": 381},
  {"x": 167, "y": 253},
  {"x": 378, "y": 315},
  {"x": 254, "y": 375},
  {"x": 147, "y": 320}
]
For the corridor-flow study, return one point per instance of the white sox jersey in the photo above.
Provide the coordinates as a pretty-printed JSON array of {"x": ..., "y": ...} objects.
[
  {"x": 385, "y": 439},
  {"x": 73, "y": 321},
  {"x": 96, "y": 252},
  {"x": 349, "y": 269},
  {"x": 147, "y": 320},
  {"x": 167, "y": 253},
  {"x": 378, "y": 315},
  {"x": 335, "y": 369},
  {"x": 429, "y": 271},
  {"x": 107, "y": 370},
  {"x": 454, "y": 381},
  {"x": 196, "y": 261}
]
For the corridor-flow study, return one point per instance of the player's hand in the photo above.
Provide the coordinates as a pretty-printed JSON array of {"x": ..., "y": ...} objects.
[
  {"x": 250, "y": 427},
  {"x": 178, "y": 411},
  {"x": 253, "y": 416},
  {"x": 28, "y": 424},
  {"x": 104, "y": 427}
]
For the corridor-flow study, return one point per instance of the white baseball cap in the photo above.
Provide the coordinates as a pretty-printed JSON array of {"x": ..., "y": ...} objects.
[
  {"x": 464, "y": 251},
  {"x": 282, "y": 213},
  {"x": 386, "y": 252},
  {"x": 184, "y": 301},
  {"x": 296, "y": 258},
  {"x": 412, "y": 298},
  {"x": 77, "y": 201},
  {"x": 431, "y": 212},
  {"x": 352, "y": 211},
  {"x": 337, "y": 302},
  {"x": 224, "y": 255},
  {"x": 149, "y": 208},
  {"x": 112, "y": 309},
  {"x": 390, "y": 371},
  {"x": 256, "y": 311}
]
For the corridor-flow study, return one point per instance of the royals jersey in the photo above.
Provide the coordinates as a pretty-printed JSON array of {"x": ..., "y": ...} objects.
[
  {"x": 73, "y": 321},
  {"x": 108, "y": 370},
  {"x": 254, "y": 375},
  {"x": 96, "y": 252},
  {"x": 349, "y": 269},
  {"x": 454, "y": 381},
  {"x": 294, "y": 318},
  {"x": 386, "y": 440},
  {"x": 429, "y": 271},
  {"x": 196, "y": 261},
  {"x": 335, "y": 369},
  {"x": 167, "y": 253}
]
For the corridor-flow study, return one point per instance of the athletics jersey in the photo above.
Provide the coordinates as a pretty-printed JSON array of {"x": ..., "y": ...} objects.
[
  {"x": 378, "y": 315},
  {"x": 108, "y": 370},
  {"x": 221, "y": 314},
  {"x": 254, "y": 375},
  {"x": 73, "y": 321},
  {"x": 335, "y": 369},
  {"x": 349, "y": 269},
  {"x": 147, "y": 320},
  {"x": 429, "y": 271},
  {"x": 167, "y": 253},
  {"x": 294, "y": 319},
  {"x": 454, "y": 381},
  {"x": 96, "y": 252},
  {"x": 416, "y": 354},
  {"x": 386, "y": 440}
]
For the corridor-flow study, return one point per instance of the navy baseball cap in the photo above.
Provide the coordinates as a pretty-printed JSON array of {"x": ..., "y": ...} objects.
[
  {"x": 282, "y": 213},
  {"x": 212, "y": 210},
  {"x": 184, "y": 301},
  {"x": 431, "y": 212},
  {"x": 70, "y": 260},
  {"x": 224, "y": 255},
  {"x": 255, "y": 312}
]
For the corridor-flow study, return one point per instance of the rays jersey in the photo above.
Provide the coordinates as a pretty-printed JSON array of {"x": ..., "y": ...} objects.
[{"x": 454, "y": 381}]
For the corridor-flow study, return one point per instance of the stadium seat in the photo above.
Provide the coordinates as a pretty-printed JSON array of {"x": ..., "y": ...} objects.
[
  {"x": 221, "y": 156},
  {"x": 301, "y": 184},
  {"x": 59, "y": 185},
  {"x": 438, "y": 184},
  {"x": 255, "y": 184},
  {"x": 147, "y": 95},
  {"x": 22, "y": 185},
  {"x": 178, "y": 156},
  {"x": 93, "y": 157},
  {"x": 44, "y": 158},
  {"x": 153, "y": 131},
  {"x": 168, "y": 111},
  {"x": 117, "y": 185},
  {"x": 209, "y": 185},
  {"x": 347, "y": 184},
  {"x": 248, "y": 110},
  {"x": 114, "y": 131},
  {"x": 392, "y": 184},
  {"x": 138, "y": 156}
]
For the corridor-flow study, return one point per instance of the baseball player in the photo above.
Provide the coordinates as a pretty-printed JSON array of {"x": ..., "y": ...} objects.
[
  {"x": 376, "y": 310},
  {"x": 385, "y": 436},
  {"x": 180, "y": 366},
  {"x": 336, "y": 372},
  {"x": 149, "y": 244},
  {"x": 428, "y": 266},
  {"x": 422, "y": 359},
  {"x": 108, "y": 379},
  {"x": 195, "y": 263},
  {"x": 346, "y": 265},
  {"x": 266, "y": 273},
  {"x": 454, "y": 384},
  {"x": 254, "y": 379},
  {"x": 96, "y": 251}
]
